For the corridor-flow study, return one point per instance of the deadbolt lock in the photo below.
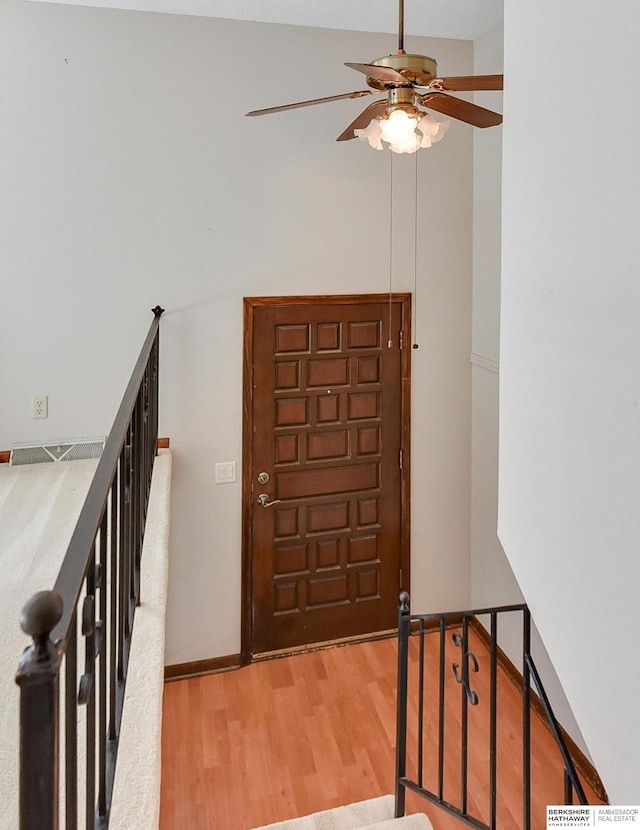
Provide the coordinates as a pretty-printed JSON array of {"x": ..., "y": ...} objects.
[{"x": 263, "y": 478}]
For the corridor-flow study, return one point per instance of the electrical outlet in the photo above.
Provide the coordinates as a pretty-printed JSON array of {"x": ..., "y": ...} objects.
[{"x": 40, "y": 406}]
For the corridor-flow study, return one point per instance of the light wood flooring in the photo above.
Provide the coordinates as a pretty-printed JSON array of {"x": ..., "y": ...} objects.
[{"x": 290, "y": 736}]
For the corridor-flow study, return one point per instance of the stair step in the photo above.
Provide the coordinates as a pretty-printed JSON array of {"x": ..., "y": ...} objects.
[
  {"x": 362, "y": 814},
  {"x": 374, "y": 814},
  {"x": 415, "y": 822}
]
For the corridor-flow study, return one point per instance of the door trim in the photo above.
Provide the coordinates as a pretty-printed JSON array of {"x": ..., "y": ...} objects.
[{"x": 250, "y": 304}]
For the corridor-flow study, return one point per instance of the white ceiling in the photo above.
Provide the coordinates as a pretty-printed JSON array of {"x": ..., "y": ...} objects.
[{"x": 460, "y": 19}]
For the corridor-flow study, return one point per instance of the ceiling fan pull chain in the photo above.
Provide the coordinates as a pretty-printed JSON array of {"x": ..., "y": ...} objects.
[
  {"x": 415, "y": 256},
  {"x": 390, "y": 341}
]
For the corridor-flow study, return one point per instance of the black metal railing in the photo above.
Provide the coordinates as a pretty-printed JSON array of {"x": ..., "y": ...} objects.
[
  {"x": 425, "y": 692},
  {"x": 91, "y": 608}
]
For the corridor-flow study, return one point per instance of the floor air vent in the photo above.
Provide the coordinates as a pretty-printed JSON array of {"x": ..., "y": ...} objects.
[{"x": 56, "y": 451}]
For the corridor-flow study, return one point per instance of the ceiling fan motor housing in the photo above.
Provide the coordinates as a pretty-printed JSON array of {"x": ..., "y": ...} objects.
[
  {"x": 401, "y": 98},
  {"x": 417, "y": 69}
]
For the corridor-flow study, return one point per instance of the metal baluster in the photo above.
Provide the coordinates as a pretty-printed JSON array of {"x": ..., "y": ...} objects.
[
  {"x": 421, "y": 704},
  {"x": 113, "y": 607},
  {"x": 146, "y": 464},
  {"x": 133, "y": 501},
  {"x": 152, "y": 436},
  {"x": 131, "y": 553},
  {"x": 441, "y": 710},
  {"x": 153, "y": 432},
  {"x": 568, "y": 788},
  {"x": 87, "y": 693},
  {"x": 493, "y": 723},
  {"x": 141, "y": 492},
  {"x": 154, "y": 360},
  {"x": 122, "y": 559},
  {"x": 101, "y": 656},
  {"x": 465, "y": 716},
  {"x": 126, "y": 552},
  {"x": 526, "y": 720},
  {"x": 71, "y": 725},
  {"x": 136, "y": 473},
  {"x": 404, "y": 624},
  {"x": 156, "y": 382},
  {"x": 152, "y": 443}
]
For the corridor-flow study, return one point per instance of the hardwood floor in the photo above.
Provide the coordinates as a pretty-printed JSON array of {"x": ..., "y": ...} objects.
[{"x": 291, "y": 736}]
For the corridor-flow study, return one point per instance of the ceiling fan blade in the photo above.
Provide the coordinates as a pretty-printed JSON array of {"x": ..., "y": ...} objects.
[
  {"x": 462, "y": 110},
  {"x": 467, "y": 83},
  {"x": 359, "y": 94},
  {"x": 380, "y": 73},
  {"x": 362, "y": 121}
]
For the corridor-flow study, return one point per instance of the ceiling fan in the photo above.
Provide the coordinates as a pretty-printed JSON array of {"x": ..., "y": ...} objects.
[{"x": 409, "y": 83}]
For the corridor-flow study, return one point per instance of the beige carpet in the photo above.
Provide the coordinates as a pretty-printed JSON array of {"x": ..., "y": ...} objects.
[
  {"x": 373, "y": 814},
  {"x": 39, "y": 506}
]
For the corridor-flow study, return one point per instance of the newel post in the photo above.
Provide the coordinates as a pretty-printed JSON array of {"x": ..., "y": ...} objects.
[
  {"x": 404, "y": 626},
  {"x": 38, "y": 679}
]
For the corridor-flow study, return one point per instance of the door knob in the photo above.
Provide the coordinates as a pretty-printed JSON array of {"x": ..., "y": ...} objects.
[{"x": 263, "y": 500}]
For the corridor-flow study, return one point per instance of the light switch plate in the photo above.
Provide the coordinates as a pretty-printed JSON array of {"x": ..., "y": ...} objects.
[{"x": 225, "y": 472}]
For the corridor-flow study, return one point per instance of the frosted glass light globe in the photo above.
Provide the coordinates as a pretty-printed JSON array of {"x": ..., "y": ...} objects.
[
  {"x": 403, "y": 133},
  {"x": 399, "y": 131},
  {"x": 372, "y": 134},
  {"x": 432, "y": 130}
]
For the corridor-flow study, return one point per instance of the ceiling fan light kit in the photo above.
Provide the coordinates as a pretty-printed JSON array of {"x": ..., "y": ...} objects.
[
  {"x": 404, "y": 132},
  {"x": 409, "y": 83}
]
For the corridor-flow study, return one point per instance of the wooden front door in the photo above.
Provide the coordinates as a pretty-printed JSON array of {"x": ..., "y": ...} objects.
[{"x": 325, "y": 468}]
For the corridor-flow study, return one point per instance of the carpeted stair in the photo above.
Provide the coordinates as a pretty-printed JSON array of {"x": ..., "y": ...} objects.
[{"x": 374, "y": 814}]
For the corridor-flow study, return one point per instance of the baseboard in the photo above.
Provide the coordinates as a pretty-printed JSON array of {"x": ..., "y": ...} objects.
[
  {"x": 5, "y": 455},
  {"x": 583, "y": 765},
  {"x": 342, "y": 641},
  {"x": 198, "y": 668},
  {"x": 181, "y": 671},
  {"x": 431, "y": 625}
]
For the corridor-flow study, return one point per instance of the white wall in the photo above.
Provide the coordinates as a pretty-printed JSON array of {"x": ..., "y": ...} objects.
[
  {"x": 492, "y": 580},
  {"x": 129, "y": 177},
  {"x": 570, "y": 373}
]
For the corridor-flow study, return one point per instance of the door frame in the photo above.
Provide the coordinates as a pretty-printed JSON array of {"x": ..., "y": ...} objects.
[{"x": 250, "y": 304}]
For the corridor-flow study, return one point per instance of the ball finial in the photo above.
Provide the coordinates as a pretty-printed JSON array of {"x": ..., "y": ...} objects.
[{"x": 41, "y": 614}]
